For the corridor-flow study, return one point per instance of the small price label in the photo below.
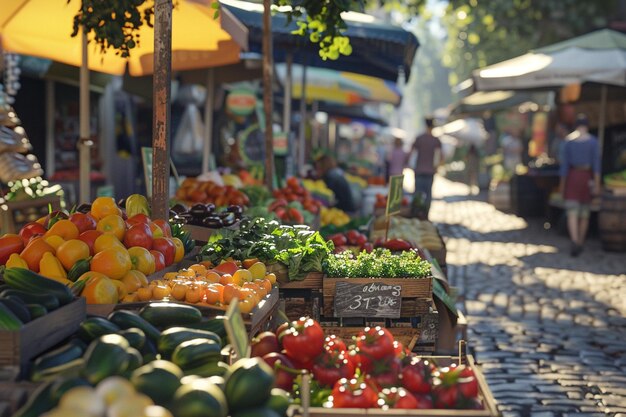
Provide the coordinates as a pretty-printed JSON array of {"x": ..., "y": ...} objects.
[{"x": 375, "y": 299}]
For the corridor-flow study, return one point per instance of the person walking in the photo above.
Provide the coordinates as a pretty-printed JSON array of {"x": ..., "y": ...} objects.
[
  {"x": 397, "y": 158},
  {"x": 335, "y": 179},
  {"x": 428, "y": 149},
  {"x": 580, "y": 180}
]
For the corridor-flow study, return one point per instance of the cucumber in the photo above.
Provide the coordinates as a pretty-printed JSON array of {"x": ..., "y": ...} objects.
[
  {"x": 94, "y": 327},
  {"x": 174, "y": 336},
  {"x": 57, "y": 357},
  {"x": 127, "y": 319},
  {"x": 79, "y": 269},
  {"x": 136, "y": 337},
  {"x": 8, "y": 320},
  {"x": 49, "y": 301},
  {"x": 215, "y": 325},
  {"x": 31, "y": 282},
  {"x": 17, "y": 307},
  {"x": 36, "y": 310},
  {"x": 71, "y": 369},
  {"x": 165, "y": 314}
]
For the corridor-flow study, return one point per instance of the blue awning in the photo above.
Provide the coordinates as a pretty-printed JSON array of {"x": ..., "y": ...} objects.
[{"x": 378, "y": 49}]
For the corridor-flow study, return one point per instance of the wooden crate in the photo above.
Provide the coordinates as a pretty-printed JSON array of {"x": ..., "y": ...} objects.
[
  {"x": 301, "y": 303},
  {"x": 17, "y": 347},
  {"x": 484, "y": 394},
  {"x": 15, "y": 214},
  {"x": 414, "y": 292},
  {"x": 15, "y": 394},
  {"x": 202, "y": 234},
  {"x": 313, "y": 280}
]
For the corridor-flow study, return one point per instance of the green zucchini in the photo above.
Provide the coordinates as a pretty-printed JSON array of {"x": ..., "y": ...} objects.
[
  {"x": 36, "y": 310},
  {"x": 49, "y": 301},
  {"x": 196, "y": 352},
  {"x": 57, "y": 357},
  {"x": 174, "y": 336},
  {"x": 39, "y": 402},
  {"x": 136, "y": 337},
  {"x": 128, "y": 319},
  {"x": 94, "y": 327},
  {"x": 8, "y": 320},
  {"x": 31, "y": 282},
  {"x": 164, "y": 314},
  {"x": 79, "y": 269},
  {"x": 105, "y": 357},
  {"x": 17, "y": 307}
]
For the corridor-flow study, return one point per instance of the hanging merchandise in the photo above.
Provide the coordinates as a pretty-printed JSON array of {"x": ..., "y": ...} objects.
[
  {"x": 11, "y": 75},
  {"x": 190, "y": 133},
  {"x": 241, "y": 102}
]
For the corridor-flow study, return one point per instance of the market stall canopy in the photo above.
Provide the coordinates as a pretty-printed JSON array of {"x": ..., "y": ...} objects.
[
  {"x": 469, "y": 131},
  {"x": 378, "y": 49},
  {"x": 42, "y": 28},
  {"x": 323, "y": 84},
  {"x": 481, "y": 101},
  {"x": 598, "y": 57},
  {"x": 353, "y": 113}
]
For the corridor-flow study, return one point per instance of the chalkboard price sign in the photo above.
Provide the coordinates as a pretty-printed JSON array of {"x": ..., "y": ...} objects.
[{"x": 376, "y": 299}]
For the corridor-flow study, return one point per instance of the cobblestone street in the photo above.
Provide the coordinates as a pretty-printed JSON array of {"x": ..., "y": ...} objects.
[{"x": 549, "y": 330}]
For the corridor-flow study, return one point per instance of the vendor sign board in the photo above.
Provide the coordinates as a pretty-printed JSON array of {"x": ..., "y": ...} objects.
[
  {"x": 375, "y": 299},
  {"x": 395, "y": 195}
]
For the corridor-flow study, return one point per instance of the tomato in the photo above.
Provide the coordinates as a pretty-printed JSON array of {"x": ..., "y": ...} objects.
[
  {"x": 399, "y": 350},
  {"x": 353, "y": 393},
  {"x": 416, "y": 375},
  {"x": 31, "y": 229},
  {"x": 10, "y": 244},
  {"x": 352, "y": 236},
  {"x": 138, "y": 218},
  {"x": 375, "y": 343},
  {"x": 330, "y": 367},
  {"x": 333, "y": 343},
  {"x": 467, "y": 382},
  {"x": 446, "y": 387},
  {"x": 338, "y": 239},
  {"x": 284, "y": 371},
  {"x": 264, "y": 343},
  {"x": 138, "y": 235},
  {"x": 295, "y": 215},
  {"x": 159, "y": 260},
  {"x": 398, "y": 398},
  {"x": 142, "y": 260},
  {"x": 298, "y": 363},
  {"x": 166, "y": 247},
  {"x": 385, "y": 372},
  {"x": 164, "y": 226},
  {"x": 83, "y": 222},
  {"x": 89, "y": 237},
  {"x": 304, "y": 339},
  {"x": 104, "y": 206},
  {"x": 33, "y": 252}
]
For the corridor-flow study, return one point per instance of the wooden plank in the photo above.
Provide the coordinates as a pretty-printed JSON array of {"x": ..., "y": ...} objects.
[
  {"x": 313, "y": 280},
  {"x": 11, "y": 224},
  {"x": 17, "y": 347},
  {"x": 411, "y": 287}
]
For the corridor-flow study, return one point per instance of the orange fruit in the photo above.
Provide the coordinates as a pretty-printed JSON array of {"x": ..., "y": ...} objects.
[
  {"x": 212, "y": 277},
  {"x": 99, "y": 289},
  {"x": 226, "y": 279},
  {"x": 106, "y": 241},
  {"x": 33, "y": 252},
  {"x": 142, "y": 260},
  {"x": 227, "y": 268},
  {"x": 250, "y": 292},
  {"x": 179, "y": 290},
  {"x": 113, "y": 225},
  {"x": 231, "y": 291},
  {"x": 198, "y": 269},
  {"x": 144, "y": 293},
  {"x": 265, "y": 284},
  {"x": 247, "y": 305},
  {"x": 159, "y": 292},
  {"x": 104, "y": 206},
  {"x": 194, "y": 294},
  {"x": 64, "y": 228},
  {"x": 187, "y": 273},
  {"x": 247, "y": 263},
  {"x": 132, "y": 280},
  {"x": 113, "y": 262},
  {"x": 72, "y": 251},
  {"x": 213, "y": 295},
  {"x": 180, "y": 250}
]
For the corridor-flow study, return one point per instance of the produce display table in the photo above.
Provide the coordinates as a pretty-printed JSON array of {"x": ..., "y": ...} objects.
[{"x": 16, "y": 214}]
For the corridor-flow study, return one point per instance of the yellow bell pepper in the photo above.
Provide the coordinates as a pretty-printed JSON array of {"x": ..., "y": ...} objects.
[
  {"x": 50, "y": 267},
  {"x": 16, "y": 261}
]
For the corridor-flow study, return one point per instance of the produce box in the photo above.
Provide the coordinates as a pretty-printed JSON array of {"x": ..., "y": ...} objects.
[
  {"x": 17, "y": 347},
  {"x": 202, "y": 234},
  {"x": 484, "y": 394},
  {"x": 312, "y": 281},
  {"x": 415, "y": 293},
  {"x": 301, "y": 303},
  {"x": 15, "y": 214},
  {"x": 14, "y": 394}
]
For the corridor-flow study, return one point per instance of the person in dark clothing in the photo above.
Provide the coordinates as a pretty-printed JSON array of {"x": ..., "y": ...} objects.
[{"x": 334, "y": 178}]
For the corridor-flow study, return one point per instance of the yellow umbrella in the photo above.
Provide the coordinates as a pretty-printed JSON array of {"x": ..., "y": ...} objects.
[{"x": 42, "y": 28}]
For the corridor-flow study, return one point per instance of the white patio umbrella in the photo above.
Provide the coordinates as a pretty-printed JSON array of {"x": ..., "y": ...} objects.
[{"x": 598, "y": 57}]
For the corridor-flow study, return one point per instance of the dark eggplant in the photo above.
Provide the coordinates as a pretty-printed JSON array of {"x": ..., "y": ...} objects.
[
  {"x": 235, "y": 209},
  {"x": 179, "y": 208},
  {"x": 121, "y": 202},
  {"x": 210, "y": 208},
  {"x": 198, "y": 210},
  {"x": 84, "y": 208},
  {"x": 229, "y": 220},
  {"x": 212, "y": 222}
]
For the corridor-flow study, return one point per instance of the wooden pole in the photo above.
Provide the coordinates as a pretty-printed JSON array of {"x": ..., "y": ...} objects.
[
  {"x": 208, "y": 119},
  {"x": 602, "y": 119},
  {"x": 161, "y": 113},
  {"x": 287, "y": 97},
  {"x": 267, "y": 94},
  {"x": 302, "y": 133},
  {"x": 50, "y": 145},
  {"x": 84, "y": 140}
]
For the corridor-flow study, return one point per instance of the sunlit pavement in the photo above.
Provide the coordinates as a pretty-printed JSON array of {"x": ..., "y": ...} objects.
[{"x": 549, "y": 330}]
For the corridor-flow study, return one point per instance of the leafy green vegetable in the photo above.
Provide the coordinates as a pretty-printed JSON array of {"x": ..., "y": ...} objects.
[
  {"x": 381, "y": 263},
  {"x": 299, "y": 248},
  {"x": 257, "y": 194}
]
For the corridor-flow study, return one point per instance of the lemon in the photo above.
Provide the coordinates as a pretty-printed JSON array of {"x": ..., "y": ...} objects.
[{"x": 258, "y": 270}]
